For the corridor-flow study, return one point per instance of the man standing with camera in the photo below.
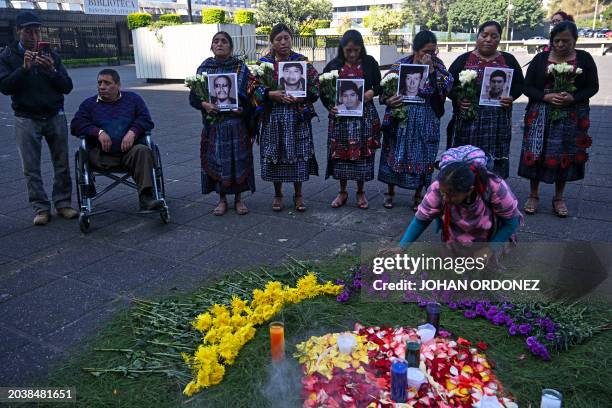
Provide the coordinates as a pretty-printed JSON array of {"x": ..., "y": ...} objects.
[{"x": 37, "y": 81}]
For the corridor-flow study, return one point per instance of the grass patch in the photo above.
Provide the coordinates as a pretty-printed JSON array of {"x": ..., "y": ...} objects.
[{"x": 583, "y": 373}]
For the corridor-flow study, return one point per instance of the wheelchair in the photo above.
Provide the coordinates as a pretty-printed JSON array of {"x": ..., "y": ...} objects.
[{"x": 85, "y": 176}]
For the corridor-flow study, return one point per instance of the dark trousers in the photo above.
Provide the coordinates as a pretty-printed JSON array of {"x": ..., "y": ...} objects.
[
  {"x": 138, "y": 162},
  {"x": 29, "y": 134}
]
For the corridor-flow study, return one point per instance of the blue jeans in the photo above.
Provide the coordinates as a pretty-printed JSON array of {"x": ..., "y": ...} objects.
[{"x": 29, "y": 134}]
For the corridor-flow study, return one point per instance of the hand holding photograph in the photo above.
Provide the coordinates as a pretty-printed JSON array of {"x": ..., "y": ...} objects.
[
  {"x": 413, "y": 78},
  {"x": 223, "y": 91},
  {"x": 496, "y": 83},
  {"x": 292, "y": 78}
]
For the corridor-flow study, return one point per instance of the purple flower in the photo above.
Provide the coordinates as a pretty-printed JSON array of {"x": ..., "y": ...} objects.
[
  {"x": 528, "y": 315},
  {"x": 499, "y": 319},
  {"x": 444, "y": 333},
  {"x": 357, "y": 283},
  {"x": 470, "y": 314},
  {"x": 550, "y": 336},
  {"x": 453, "y": 306},
  {"x": 531, "y": 341},
  {"x": 480, "y": 310},
  {"x": 343, "y": 297},
  {"x": 512, "y": 330},
  {"x": 423, "y": 303},
  {"x": 524, "y": 329},
  {"x": 508, "y": 321},
  {"x": 339, "y": 282}
]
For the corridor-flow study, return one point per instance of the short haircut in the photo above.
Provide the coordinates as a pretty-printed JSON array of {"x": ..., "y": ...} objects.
[
  {"x": 564, "y": 16},
  {"x": 279, "y": 28},
  {"x": 422, "y": 39},
  {"x": 112, "y": 73},
  {"x": 489, "y": 24},
  {"x": 564, "y": 26},
  {"x": 350, "y": 86},
  {"x": 227, "y": 78},
  {"x": 498, "y": 73},
  {"x": 411, "y": 69},
  {"x": 294, "y": 65}
]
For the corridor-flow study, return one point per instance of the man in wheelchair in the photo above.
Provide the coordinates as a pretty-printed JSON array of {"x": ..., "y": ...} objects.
[{"x": 114, "y": 123}]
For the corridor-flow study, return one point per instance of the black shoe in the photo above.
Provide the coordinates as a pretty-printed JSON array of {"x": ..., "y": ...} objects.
[{"x": 148, "y": 203}]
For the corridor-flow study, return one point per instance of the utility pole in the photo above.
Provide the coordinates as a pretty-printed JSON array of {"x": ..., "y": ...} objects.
[
  {"x": 189, "y": 11},
  {"x": 595, "y": 13}
]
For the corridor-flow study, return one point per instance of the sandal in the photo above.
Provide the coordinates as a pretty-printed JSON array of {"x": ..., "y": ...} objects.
[
  {"x": 298, "y": 202},
  {"x": 559, "y": 207},
  {"x": 388, "y": 203},
  {"x": 241, "y": 209},
  {"x": 362, "y": 202},
  {"x": 531, "y": 206},
  {"x": 418, "y": 198},
  {"x": 221, "y": 208},
  {"x": 340, "y": 200},
  {"x": 277, "y": 204}
]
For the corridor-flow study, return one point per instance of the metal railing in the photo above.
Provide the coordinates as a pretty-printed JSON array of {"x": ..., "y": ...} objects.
[{"x": 600, "y": 45}]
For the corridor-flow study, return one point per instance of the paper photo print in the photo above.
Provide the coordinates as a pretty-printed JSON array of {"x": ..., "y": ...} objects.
[
  {"x": 292, "y": 78},
  {"x": 223, "y": 90},
  {"x": 496, "y": 83},
  {"x": 349, "y": 97},
  {"x": 413, "y": 78}
]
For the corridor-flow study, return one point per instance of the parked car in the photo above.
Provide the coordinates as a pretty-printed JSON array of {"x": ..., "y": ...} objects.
[
  {"x": 601, "y": 33},
  {"x": 537, "y": 38},
  {"x": 609, "y": 34}
]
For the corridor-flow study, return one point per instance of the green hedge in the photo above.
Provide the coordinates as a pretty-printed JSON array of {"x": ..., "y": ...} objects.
[
  {"x": 263, "y": 30},
  {"x": 244, "y": 17},
  {"x": 322, "y": 23},
  {"x": 137, "y": 20},
  {"x": 213, "y": 16},
  {"x": 171, "y": 18}
]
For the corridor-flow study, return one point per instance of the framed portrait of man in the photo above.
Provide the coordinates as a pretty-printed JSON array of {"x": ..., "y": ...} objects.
[
  {"x": 292, "y": 77},
  {"x": 223, "y": 90},
  {"x": 496, "y": 83},
  {"x": 412, "y": 78},
  {"x": 349, "y": 97}
]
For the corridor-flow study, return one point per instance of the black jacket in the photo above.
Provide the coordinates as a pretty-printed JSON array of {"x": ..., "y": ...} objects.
[
  {"x": 587, "y": 84},
  {"x": 371, "y": 72},
  {"x": 35, "y": 93}
]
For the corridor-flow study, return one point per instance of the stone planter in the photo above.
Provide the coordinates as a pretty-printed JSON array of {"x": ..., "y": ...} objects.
[{"x": 175, "y": 52}]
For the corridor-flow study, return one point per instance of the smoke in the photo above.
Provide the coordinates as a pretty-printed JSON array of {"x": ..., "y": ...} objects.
[{"x": 284, "y": 385}]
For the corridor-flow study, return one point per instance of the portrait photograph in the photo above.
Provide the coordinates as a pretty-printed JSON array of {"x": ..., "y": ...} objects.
[
  {"x": 349, "y": 97},
  {"x": 412, "y": 78},
  {"x": 496, "y": 83},
  {"x": 223, "y": 91},
  {"x": 292, "y": 78}
]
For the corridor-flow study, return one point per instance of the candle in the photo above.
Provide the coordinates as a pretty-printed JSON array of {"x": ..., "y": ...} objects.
[
  {"x": 551, "y": 398},
  {"x": 433, "y": 314},
  {"x": 413, "y": 355},
  {"x": 399, "y": 381},
  {"x": 277, "y": 340}
]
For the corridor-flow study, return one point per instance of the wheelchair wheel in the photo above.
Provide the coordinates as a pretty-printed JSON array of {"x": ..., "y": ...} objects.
[
  {"x": 165, "y": 215},
  {"x": 84, "y": 222},
  {"x": 78, "y": 178}
]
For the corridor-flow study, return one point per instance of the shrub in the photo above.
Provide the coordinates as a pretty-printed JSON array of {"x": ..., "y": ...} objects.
[
  {"x": 171, "y": 18},
  {"x": 322, "y": 23},
  {"x": 213, "y": 16},
  {"x": 229, "y": 19},
  {"x": 244, "y": 17},
  {"x": 263, "y": 30},
  {"x": 137, "y": 20}
]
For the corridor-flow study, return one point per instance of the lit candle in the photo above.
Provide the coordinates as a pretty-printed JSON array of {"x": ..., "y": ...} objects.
[
  {"x": 399, "y": 381},
  {"x": 277, "y": 340},
  {"x": 551, "y": 398}
]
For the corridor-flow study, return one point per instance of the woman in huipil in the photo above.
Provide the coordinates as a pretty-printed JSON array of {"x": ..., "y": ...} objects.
[
  {"x": 285, "y": 132},
  {"x": 557, "y": 123},
  {"x": 491, "y": 129},
  {"x": 409, "y": 149},
  {"x": 352, "y": 141},
  {"x": 226, "y": 147}
]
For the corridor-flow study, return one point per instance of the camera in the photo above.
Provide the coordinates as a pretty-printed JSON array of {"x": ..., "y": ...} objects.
[{"x": 44, "y": 48}]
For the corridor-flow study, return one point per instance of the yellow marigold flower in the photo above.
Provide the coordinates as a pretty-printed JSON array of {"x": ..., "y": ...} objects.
[
  {"x": 218, "y": 310},
  {"x": 190, "y": 389},
  {"x": 202, "y": 322},
  {"x": 238, "y": 305}
]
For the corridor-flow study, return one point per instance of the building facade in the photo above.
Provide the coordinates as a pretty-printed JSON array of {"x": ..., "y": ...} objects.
[{"x": 356, "y": 10}]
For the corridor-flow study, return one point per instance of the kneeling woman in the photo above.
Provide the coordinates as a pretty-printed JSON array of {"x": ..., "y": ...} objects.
[
  {"x": 225, "y": 147},
  {"x": 472, "y": 203}
]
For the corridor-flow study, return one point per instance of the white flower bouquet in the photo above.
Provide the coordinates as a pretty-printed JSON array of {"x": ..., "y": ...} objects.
[
  {"x": 468, "y": 90},
  {"x": 199, "y": 85},
  {"x": 564, "y": 75},
  {"x": 264, "y": 73},
  {"x": 327, "y": 82},
  {"x": 389, "y": 88}
]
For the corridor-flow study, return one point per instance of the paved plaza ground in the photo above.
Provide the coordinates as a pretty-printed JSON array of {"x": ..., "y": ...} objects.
[{"x": 58, "y": 286}]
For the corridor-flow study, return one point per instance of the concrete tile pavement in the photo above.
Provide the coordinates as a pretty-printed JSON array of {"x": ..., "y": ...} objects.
[{"x": 57, "y": 286}]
